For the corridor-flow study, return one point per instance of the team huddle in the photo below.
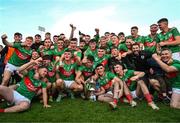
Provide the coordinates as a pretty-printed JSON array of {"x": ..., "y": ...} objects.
[{"x": 110, "y": 68}]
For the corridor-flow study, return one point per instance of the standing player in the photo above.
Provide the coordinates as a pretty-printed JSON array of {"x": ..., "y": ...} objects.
[
  {"x": 20, "y": 56},
  {"x": 169, "y": 38},
  {"x": 75, "y": 50},
  {"x": 150, "y": 40},
  {"x": 57, "y": 51},
  {"x": 103, "y": 43},
  {"x": 125, "y": 48},
  {"x": 37, "y": 42},
  {"x": 121, "y": 36},
  {"x": 135, "y": 37},
  {"x": 91, "y": 50}
]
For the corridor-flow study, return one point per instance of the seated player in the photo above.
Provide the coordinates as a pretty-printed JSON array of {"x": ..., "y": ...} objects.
[
  {"x": 29, "y": 86},
  {"x": 110, "y": 87},
  {"x": 172, "y": 69},
  {"x": 129, "y": 76}
]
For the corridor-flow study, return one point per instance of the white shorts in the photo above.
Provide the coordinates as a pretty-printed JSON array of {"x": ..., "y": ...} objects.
[
  {"x": 19, "y": 98},
  {"x": 110, "y": 92},
  {"x": 176, "y": 56},
  {"x": 68, "y": 83},
  {"x": 176, "y": 90},
  {"x": 133, "y": 93},
  {"x": 11, "y": 67}
]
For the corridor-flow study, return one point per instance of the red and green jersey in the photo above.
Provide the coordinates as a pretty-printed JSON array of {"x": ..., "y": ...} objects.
[
  {"x": 174, "y": 77},
  {"x": 103, "y": 61},
  {"x": 122, "y": 48},
  {"x": 107, "y": 48},
  {"x": 150, "y": 43},
  {"x": 29, "y": 86},
  {"x": 44, "y": 50},
  {"x": 20, "y": 55},
  {"x": 126, "y": 77},
  {"x": 86, "y": 72},
  {"x": 86, "y": 47},
  {"x": 109, "y": 43},
  {"x": 96, "y": 38},
  {"x": 51, "y": 72},
  {"x": 48, "y": 52},
  {"x": 170, "y": 37},
  {"x": 51, "y": 66},
  {"x": 139, "y": 39},
  {"x": 90, "y": 52},
  {"x": 55, "y": 52},
  {"x": 78, "y": 52},
  {"x": 106, "y": 80},
  {"x": 67, "y": 71}
]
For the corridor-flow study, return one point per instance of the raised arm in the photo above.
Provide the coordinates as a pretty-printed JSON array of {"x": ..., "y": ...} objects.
[
  {"x": 96, "y": 36},
  {"x": 31, "y": 63},
  {"x": 73, "y": 28},
  {"x": 5, "y": 42}
]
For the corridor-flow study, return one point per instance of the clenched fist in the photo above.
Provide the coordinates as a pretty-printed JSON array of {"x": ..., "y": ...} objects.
[{"x": 4, "y": 36}]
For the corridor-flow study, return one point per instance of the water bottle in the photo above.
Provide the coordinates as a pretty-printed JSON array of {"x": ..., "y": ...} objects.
[{"x": 97, "y": 85}]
